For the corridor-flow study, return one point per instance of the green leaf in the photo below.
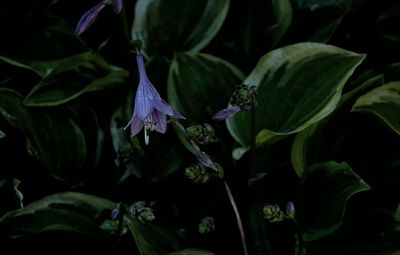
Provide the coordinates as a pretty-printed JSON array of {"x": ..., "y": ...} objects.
[
  {"x": 335, "y": 183},
  {"x": 192, "y": 252},
  {"x": 70, "y": 78},
  {"x": 256, "y": 178},
  {"x": 41, "y": 39},
  {"x": 383, "y": 102},
  {"x": 10, "y": 195},
  {"x": 85, "y": 115},
  {"x": 70, "y": 211},
  {"x": 178, "y": 25},
  {"x": 152, "y": 239},
  {"x": 283, "y": 15},
  {"x": 2, "y": 135},
  {"x": 262, "y": 24},
  {"x": 316, "y": 138},
  {"x": 297, "y": 85},
  {"x": 386, "y": 24},
  {"x": 52, "y": 137},
  {"x": 199, "y": 85}
]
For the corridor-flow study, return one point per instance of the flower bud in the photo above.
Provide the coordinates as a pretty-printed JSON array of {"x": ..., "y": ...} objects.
[
  {"x": 273, "y": 213},
  {"x": 201, "y": 134},
  {"x": 207, "y": 225},
  {"x": 197, "y": 173}
]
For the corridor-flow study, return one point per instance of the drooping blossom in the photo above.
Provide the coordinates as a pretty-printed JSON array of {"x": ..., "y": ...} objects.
[
  {"x": 242, "y": 99},
  {"x": 150, "y": 109},
  {"x": 90, "y": 16}
]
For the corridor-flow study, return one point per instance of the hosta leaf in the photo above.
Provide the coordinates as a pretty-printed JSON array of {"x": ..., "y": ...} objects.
[
  {"x": 297, "y": 85},
  {"x": 283, "y": 15},
  {"x": 383, "y": 102},
  {"x": 335, "y": 183},
  {"x": 199, "y": 85},
  {"x": 10, "y": 195},
  {"x": 318, "y": 138},
  {"x": 52, "y": 137},
  {"x": 72, "y": 77},
  {"x": 178, "y": 24},
  {"x": 68, "y": 211},
  {"x": 152, "y": 239},
  {"x": 192, "y": 252}
]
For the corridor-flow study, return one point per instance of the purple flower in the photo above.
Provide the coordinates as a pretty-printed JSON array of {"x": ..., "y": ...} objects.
[
  {"x": 90, "y": 16},
  {"x": 150, "y": 110},
  {"x": 117, "y": 5},
  {"x": 226, "y": 113}
]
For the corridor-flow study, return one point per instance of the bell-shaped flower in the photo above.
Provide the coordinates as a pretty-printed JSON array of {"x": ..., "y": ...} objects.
[{"x": 150, "y": 109}]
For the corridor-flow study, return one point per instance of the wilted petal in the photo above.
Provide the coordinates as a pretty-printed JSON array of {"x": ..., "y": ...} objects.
[
  {"x": 160, "y": 120},
  {"x": 136, "y": 125},
  {"x": 117, "y": 5},
  {"x": 226, "y": 113},
  {"x": 88, "y": 18}
]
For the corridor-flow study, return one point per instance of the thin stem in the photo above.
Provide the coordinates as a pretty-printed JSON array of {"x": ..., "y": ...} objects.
[
  {"x": 239, "y": 221},
  {"x": 127, "y": 39},
  {"x": 300, "y": 245},
  {"x": 121, "y": 220},
  {"x": 252, "y": 139}
]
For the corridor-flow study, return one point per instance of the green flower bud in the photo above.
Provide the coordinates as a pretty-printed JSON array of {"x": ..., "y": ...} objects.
[
  {"x": 197, "y": 173},
  {"x": 146, "y": 214},
  {"x": 207, "y": 225},
  {"x": 273, "y": 213},
  {"x": 244, "y": 96},
  {"x": 140, "y": 211},
  {"x": 201, "y": 134}
]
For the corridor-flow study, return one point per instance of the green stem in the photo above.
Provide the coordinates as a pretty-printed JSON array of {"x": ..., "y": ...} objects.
[
  {"x": 238, "y": 219},
  {"x": 252, "y": 139},
  {"x": 127, "y": 39},
  {"x": 300, "y": 241},
  {"x": 121, "y": 220}
]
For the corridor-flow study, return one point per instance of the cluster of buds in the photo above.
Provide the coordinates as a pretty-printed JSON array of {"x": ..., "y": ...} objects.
[
  {"x": 200, "y": 172},
  {"x": 207, "y": 225},
  {"x": 273, "y": 212},
  {"x": 201, "y": 134},
  {"x": 138, "y": 210},
  {"x": 197, "y": 173},
  {"x": 242, "y": 99}
]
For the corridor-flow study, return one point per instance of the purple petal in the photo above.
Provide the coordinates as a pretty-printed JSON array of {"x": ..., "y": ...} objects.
[
  {"x": 117, "y": 5},
  {"x": 205, "y": 160},
  {"x": 136, "y": 125},
  {"x": 226, "y": 113},
  {"x": 115, "y": 213},
  {"x": 88, "y": 18},
  {"x": 144, "y": 100},
  {"x": 160, "y": 120},
  {"x": 141, "y": 66},
  {"x": 178, "y": 114},
  {"x": 163, "y": 107}
]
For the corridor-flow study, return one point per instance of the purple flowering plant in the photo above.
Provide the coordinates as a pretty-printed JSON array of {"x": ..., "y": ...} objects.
[{"x": 173, "y": 127}]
